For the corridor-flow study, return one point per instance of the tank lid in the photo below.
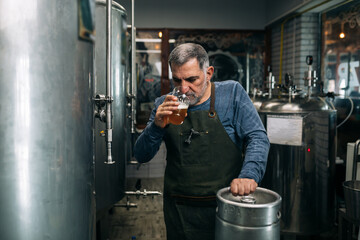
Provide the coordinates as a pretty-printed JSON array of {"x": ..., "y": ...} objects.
[{"x": 296, "y": 105}]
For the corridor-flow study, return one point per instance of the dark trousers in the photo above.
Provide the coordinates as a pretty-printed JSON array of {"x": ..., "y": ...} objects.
[{"x": 189, "y": 220}]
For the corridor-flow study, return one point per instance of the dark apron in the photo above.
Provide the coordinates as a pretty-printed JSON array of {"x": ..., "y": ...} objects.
[{"x": 201, "y": 159}]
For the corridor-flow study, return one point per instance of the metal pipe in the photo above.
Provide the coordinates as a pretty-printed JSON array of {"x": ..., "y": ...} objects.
[
  {"x": 309, "y": 81},
  {"x": 133, "y": 69},
  {"x": 271, "y": 83},
  {"x": 108, "y": 83},
  {"x": 144, "y": 193},
  {"x": 247, "y": 72}
]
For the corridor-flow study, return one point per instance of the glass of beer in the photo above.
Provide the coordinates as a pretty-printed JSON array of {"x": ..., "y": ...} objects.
[{"x": 178, "y": 116}]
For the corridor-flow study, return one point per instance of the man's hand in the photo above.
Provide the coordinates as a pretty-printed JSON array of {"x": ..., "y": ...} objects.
[
  {"x": 242, "y": 186},
  {"x": 164, "y": 110}
]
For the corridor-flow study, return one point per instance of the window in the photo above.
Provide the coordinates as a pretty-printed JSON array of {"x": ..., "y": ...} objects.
[{"x": 341, "y": 50}]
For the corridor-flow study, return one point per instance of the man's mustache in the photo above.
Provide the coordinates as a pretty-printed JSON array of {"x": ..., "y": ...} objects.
[{"x": 190, "y": 94}]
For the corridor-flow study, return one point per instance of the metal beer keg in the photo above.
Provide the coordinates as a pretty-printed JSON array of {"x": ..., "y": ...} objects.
[{"x": 256, "y": 216}]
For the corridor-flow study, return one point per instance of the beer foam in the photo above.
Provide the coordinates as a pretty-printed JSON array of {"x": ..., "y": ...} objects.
[{"x": 183, "y": 106}]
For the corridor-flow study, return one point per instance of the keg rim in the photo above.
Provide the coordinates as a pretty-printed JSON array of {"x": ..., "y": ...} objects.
[{"x": 277, "y": 202}]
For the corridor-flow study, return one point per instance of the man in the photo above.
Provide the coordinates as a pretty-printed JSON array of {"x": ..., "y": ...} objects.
[{"x": 204, "y": 154}]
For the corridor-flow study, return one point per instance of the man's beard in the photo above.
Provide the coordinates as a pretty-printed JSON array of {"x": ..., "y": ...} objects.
[{"x": 195, "y": 99}]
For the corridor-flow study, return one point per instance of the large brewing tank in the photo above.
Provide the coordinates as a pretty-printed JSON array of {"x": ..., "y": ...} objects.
[
  {"x": 110, "y": 179},
  {"x": 256, "y": 216},
  {"x": 301, "y": 162},
  {"x": 46, "y": 156}
]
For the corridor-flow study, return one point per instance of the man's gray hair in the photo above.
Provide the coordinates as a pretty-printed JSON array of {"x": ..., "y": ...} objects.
[{"x": 187, "y": 51}]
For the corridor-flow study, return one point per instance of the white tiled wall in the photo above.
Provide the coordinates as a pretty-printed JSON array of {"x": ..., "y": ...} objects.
[
  {"x": 301, "y": 38},
  {"x": 153, "y": 169}
]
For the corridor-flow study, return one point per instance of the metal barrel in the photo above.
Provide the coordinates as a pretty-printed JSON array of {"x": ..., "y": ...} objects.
[
  {"x": 352, "y": 189},
  {"x": 301, "y": 162},
  {"x": 110, "y": 179},
  {"x": 46, "y": 157},
  {"x": 256, "y": 216}
]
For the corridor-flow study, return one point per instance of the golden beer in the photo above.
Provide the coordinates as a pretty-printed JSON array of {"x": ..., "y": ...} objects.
[{"x": 178, "y": 115}]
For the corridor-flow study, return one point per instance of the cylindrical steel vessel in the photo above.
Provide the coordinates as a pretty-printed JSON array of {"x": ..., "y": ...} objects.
[
  {"x": 352, "y": 189},
  {"x": 110, "y": 179},
  {"x": 256, "y": 216},
  {"x": 352, "y": 199},
  {"x": 46, "y": 157},
  {"x": 301, "y": 162}
]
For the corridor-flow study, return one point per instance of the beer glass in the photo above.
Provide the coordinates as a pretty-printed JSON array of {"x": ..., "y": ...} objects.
[{"x": 177, "y": 117}]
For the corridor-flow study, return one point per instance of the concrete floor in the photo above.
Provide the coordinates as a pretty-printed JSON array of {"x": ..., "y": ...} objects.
[{"x": 146, "y": 221}]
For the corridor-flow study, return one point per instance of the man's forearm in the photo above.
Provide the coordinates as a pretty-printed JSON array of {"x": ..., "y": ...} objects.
[{"x": 256, "y": 157}]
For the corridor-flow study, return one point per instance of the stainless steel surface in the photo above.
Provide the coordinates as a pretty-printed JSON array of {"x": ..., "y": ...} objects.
[
  {"x": 352, "y": 189},
  {"x": 256, "y": 220},
  {"x": 310, "y": 80},
  {"x": 356, "y": 159},
  {"x": 109, "y": 130},
  {"x": 144, "y": 193},
  {"x": 258, "y": 99},
  {"x": 262, "y": 94},
  {"x": 226, "y": 230},
  {"x": 133, "y": 83},
  {"x": 248, "y": 73},
  {"x": 303, "y": 174},
  {"x": 46, "y": 156},
  {"x": 110, "y": 179},
  {"x": 352, "y": 199},
  {"x": 349, "y": 163},
  {"x": 270, "y": 81}
]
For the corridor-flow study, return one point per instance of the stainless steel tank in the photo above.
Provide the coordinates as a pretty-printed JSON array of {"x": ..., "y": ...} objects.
[
  {"x": 352, "y": 189},
  {"x": 46, "y": 156},
  {"x": 301, "y": 162},
  {"x": 110, "y": 179},
  {"x": 256, "y": 216}
]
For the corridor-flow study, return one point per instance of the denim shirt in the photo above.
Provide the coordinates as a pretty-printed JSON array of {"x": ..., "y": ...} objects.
[{"x": 239, "y": 118}]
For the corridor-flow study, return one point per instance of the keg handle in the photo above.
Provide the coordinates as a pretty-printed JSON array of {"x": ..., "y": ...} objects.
[
  {"x": 248, "y": 199},
  {"x": 356, "y": 159}
]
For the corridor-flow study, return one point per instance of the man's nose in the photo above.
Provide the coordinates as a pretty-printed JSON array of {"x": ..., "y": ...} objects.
[{"x": 184, "y": 86}]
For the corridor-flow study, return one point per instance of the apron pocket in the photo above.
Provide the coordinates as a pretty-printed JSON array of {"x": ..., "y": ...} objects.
[{"x": 194, "y": 147}]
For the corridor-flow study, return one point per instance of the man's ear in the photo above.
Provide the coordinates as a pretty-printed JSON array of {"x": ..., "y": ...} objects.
[{"x": 209, "y": 73}]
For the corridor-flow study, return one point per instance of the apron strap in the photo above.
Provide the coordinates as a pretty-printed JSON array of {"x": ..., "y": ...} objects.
[{"x": 212, "y": 112}]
